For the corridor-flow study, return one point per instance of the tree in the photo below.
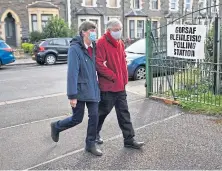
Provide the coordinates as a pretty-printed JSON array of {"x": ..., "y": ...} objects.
[
  {"x": 210, "y": 41},
  {"x": 35, "y": 36},
  {"x": 56, "y": 27}
]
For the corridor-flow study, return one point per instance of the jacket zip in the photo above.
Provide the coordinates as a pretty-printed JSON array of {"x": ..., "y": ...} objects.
[{"x": 93, "y": 69}]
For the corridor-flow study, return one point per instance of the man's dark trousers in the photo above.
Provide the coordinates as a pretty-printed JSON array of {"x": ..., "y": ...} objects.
[
  {"x": 77, "y": 117},
  {"x": 119, "y": 100}
]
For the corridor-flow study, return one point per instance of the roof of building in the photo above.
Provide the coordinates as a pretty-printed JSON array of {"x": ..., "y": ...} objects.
[
  {"x": 89, "y": 11},
  {"x": 42, "y": 4},
  {"x": 136, "y": 13}
]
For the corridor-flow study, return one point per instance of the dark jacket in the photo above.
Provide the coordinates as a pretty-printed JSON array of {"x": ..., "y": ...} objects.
[
  {"x": 114, "y": 75},
  {"x": 82, "y": 81}
]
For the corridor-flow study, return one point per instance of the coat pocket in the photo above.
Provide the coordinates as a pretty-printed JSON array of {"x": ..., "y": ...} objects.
[{"x": 82, "y": 90}]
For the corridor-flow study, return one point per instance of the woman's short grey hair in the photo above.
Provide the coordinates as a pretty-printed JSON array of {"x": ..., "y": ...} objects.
[{"x": 113, "y": 22}]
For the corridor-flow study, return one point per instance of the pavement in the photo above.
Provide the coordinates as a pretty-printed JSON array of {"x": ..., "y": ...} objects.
[
  {"x": 24, "y": 61},
  {"x": 34, "y": 96}
]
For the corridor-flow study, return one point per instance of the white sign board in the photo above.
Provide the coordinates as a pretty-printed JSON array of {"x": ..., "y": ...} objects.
[{"x": 186, "y": 41}]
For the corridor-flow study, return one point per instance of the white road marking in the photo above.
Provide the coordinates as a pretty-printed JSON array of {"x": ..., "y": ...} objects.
[
  {"x": 43, "y": 120},
  {"x": 41, "y": 97},
  {"x": 109, "y": 139},
  {"x": 31, "y": 98},
  {"x": 34, "y": 69},
  {"x": 128, "y": 90},
  {"x": 2, "y": 103}
]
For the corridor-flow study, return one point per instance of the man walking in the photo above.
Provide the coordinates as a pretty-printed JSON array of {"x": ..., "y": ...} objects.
[
  {"x": 82, "y": 86},
  {"x": 113, "y": 76}
]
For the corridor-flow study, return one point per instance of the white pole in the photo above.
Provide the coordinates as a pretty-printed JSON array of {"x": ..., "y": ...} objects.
[{"x": 69, "y": 13}]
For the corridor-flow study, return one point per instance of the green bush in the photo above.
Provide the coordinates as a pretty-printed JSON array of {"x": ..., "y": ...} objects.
[
  {"x": 57, "y": 27},
  {"x": 35, "y": 36},
  {"x": 25, "y": 47},
  {"x": 210, "y": 42},
  {"x": 28, "y": 47}
]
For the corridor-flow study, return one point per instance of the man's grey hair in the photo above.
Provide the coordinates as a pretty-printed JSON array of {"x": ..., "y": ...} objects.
[{"x": 113, "y": 22}]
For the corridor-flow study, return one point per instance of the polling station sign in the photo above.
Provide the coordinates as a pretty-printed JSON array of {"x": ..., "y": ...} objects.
[{"x": 186, "y": 41}]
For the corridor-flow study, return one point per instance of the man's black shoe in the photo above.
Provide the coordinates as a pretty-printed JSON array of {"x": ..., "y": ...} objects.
[
  {"x": 99, "y": 140},
  {"x": 133, "y": 144},
  {"x": 94, "y": 150},
  {"x": 54, "y": 132}
]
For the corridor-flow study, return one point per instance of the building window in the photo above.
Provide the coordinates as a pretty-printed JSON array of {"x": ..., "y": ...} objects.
[
  {"x": 45, "y": 19},
  {"x": 82, "y": 20},
  {"x": 113, "y": 3},
  {"x": 136, "y": 4},
  {"x": 154, "y": 28},
  {"x": 34, "y": 22},
  {"x": 88, "y": 3},
  {"x": 96, "y": 22},
  {"x": 60, "y": 42},
  {"x": 173, "y": 4},
  {"x": 95, "y": 19},
  {"x": 154, "y": 4},
  {"x": 140, "y": 28},
  {"x": 132, "y": 29},
  {"x": 215, "y": 6},
  {"x": 136, "y": 27},
  {"x": 188, "y": 5},
  {"x": 111, "y": 17},
  {"x": 201, "y": 4}
]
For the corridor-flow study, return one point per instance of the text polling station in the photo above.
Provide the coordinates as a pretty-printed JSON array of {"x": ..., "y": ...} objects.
[{"x": 186, "y": 41}]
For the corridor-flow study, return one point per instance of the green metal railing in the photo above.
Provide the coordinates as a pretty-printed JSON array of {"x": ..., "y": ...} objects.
[{"x": 185, "y": 79}]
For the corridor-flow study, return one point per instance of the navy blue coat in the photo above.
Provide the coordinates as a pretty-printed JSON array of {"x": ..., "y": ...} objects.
[{"x": 82, "y": 81}]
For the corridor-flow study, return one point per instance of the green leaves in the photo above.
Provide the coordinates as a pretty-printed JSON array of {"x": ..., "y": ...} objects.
[
  {"x": 57, "y": 27},
  {"x": 35, "y": 36}
]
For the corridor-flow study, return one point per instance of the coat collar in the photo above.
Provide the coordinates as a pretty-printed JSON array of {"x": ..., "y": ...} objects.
[{"x": 111, "y": 40}]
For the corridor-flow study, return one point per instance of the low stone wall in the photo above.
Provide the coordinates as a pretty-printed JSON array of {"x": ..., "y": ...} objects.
[{"x": 20, "y": 54}]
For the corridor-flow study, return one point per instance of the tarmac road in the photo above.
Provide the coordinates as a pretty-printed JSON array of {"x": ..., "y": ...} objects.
[{"x": 31, "y": 97}]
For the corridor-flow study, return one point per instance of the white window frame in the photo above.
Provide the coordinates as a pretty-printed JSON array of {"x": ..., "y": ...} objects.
[
  {"x": 87, "y": 18},
  {"x": 112, "y": 17},
  {"x": 185, "y": 4},
  {"x": 200, "y": 22},
  {"x": 132, "y": 4},
  {"x": 176, "y": 5},
  {"x": 144, "y": 23},
  {"x": 107, "y": 18},
  {"x": 108, "y": 4},
  {"x": 217, "y": 7},
  {"x": 158, "y": 5},
  {"x": 84, "y": 3},
  {"x": 158, "y": 25},
  {"x": 135, "y": 19},
  {"x": 204, "y": 2}
]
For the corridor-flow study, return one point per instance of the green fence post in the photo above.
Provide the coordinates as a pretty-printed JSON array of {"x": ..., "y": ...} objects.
[{"x": 149, "y": 53}]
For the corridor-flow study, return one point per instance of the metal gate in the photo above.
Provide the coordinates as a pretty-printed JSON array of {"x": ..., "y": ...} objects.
[{"x": 198, "y": 80}]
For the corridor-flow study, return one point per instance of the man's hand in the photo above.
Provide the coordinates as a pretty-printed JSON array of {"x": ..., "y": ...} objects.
[{"x": 73, "y": 102}]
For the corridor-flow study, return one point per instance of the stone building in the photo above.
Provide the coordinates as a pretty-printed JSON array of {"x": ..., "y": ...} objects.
[
  {"x": 133, "y": 13},
  {"x": 20, "y": 17}
]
